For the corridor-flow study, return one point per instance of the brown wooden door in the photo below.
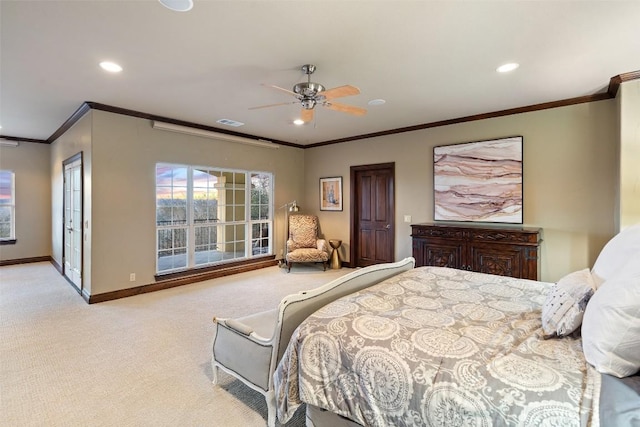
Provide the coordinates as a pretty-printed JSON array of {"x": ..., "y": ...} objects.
[{"x": 372, "y": 214}]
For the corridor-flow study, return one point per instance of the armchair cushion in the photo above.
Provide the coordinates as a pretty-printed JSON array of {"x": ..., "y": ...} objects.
[{"x": 308, "y": 255}]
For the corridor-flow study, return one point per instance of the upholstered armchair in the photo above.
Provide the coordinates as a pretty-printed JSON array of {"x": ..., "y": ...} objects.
[
  {"x": 250, "y": 347},
  {"x": 303, "y": 244}
]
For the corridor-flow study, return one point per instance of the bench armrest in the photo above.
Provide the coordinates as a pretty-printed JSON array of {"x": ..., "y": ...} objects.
[{"x": 239, "y": 326}]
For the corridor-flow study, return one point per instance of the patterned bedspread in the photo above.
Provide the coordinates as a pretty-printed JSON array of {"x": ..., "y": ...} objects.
[{"x": 438, "y": 347}]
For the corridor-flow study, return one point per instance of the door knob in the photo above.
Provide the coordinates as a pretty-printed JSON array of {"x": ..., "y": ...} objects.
[{"x": 388, "y": 226}]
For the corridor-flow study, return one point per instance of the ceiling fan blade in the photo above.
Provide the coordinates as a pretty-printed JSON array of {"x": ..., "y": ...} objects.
[
  {"x": 338, "y": 92},
  {"x": 281, "y": 89},
  {"x": 350, "y": 109},
  {"x": 272, "y": 105},
  {"x": 306, "y": 115}
]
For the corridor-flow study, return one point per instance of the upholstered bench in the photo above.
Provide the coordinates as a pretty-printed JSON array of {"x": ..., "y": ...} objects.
[{"x": 250, "y": 347}]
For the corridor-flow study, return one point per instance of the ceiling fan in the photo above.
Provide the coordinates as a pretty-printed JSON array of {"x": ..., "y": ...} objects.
[{"x": 310, "y": 94}]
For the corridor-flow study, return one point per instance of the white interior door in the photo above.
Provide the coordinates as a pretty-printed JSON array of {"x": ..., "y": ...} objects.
[{"x": 73, "y": 222}]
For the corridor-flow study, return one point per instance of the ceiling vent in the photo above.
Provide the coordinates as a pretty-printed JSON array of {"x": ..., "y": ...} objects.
[{"x": 230, "y": 122}]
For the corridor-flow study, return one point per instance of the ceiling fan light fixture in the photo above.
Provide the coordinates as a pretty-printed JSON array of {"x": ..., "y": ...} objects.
[
  {"x": 308, "y": 88},
  {"x": 177, "y": 5},
  {"x": 308, "y": 103}
]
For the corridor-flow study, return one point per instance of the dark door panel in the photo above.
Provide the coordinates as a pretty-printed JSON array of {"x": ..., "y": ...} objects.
[{"x": 373, "y": 214}]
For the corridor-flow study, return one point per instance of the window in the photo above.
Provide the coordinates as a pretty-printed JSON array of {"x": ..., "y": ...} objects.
[
  {"x": 7, "y": 205},
  {"x": 207, "y": 216}
]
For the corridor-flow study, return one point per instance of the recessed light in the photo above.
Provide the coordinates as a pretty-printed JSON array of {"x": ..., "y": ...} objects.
[
  {"x": 112, "y": 67},
  {"x": 376, "y": 102},
  {"x": 298, "y": 122},
  {"x": 177, "y": 5},
  {"x": 507, "y": 67}
]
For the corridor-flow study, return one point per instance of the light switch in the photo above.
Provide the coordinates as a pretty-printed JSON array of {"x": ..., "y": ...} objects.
[{"x": 407, "y": 218}]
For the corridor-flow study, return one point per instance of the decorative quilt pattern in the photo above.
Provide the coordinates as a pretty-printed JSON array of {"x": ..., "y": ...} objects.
[{"x": 438, "y": 347}]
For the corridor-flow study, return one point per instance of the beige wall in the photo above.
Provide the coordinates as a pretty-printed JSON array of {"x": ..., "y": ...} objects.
[
  {"x": 629, "y": 99},
  {"x": 119, "y": 158},
  {"x": 30, "y": 163},
  {"x": 569, "y": 178},
  {"x": 125, "y": 152},
  {"x": 75, "y": 140}
]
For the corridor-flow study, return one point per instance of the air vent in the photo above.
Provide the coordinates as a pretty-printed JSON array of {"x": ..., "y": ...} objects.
[{"x": 229, "y": 122}]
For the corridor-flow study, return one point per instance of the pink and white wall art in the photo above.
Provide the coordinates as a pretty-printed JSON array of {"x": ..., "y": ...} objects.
[{"x": 479, "y": 181}]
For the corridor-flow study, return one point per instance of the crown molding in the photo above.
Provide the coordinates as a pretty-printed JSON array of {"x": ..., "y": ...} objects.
[
  {"x": 18, "y": 139},
  {"x": 501, "y": 113},
  {"x": 616, "y": 81},
  {"x": 612, "y": 92}
]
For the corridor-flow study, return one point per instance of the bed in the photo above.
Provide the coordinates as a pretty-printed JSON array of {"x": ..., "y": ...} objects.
[{"x": 439, "y": 346}]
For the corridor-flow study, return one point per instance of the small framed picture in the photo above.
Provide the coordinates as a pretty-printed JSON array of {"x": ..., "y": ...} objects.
[{"x": 331, "y": 194}]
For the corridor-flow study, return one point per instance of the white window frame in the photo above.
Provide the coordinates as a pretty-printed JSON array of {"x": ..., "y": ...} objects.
[
  {"x": 12, "y": 207},
  {"x": 245, "y": 224}
]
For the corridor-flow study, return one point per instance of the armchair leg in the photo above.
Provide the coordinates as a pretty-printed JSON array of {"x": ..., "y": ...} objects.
[{"x": 289, "y": 264}]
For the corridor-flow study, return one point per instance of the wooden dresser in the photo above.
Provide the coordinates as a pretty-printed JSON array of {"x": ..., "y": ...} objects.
[{"x": 503, "y": 250}]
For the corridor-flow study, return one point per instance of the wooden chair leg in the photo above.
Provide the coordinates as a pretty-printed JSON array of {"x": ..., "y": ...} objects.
[{"x": 289, "y": 264}]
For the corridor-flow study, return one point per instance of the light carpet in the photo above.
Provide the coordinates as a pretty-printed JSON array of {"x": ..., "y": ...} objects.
[{"x": 137, "y": 361}]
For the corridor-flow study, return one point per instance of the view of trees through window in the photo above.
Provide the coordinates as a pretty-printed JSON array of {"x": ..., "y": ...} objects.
[
  {"x": 207, "y": 215},
  {"x": 7, "y": 205}
]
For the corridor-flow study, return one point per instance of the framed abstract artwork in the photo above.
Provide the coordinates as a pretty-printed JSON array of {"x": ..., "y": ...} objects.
[
  {"x": 331, "y": 194},
  {"x": 479, "y": 181}
]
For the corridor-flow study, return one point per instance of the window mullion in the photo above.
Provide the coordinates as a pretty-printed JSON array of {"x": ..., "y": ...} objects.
[
  {"x": 191, "y": 236},
  {"x": 248, "y": 224}
]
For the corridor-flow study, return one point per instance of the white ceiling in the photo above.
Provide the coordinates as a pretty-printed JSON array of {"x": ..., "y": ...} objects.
[{"x": 430, "y": 60}]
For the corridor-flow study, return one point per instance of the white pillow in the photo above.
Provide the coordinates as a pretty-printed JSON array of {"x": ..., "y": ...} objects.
[
  {"x": 566, "y": 302},
  {"x": 623, "y": 247},
  {"x": 611, "y": 325}
]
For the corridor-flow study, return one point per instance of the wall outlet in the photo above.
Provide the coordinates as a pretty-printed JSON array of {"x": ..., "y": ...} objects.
[
  {"x": 132, "y": 277},
  {"x": 407, "y": 218}
]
